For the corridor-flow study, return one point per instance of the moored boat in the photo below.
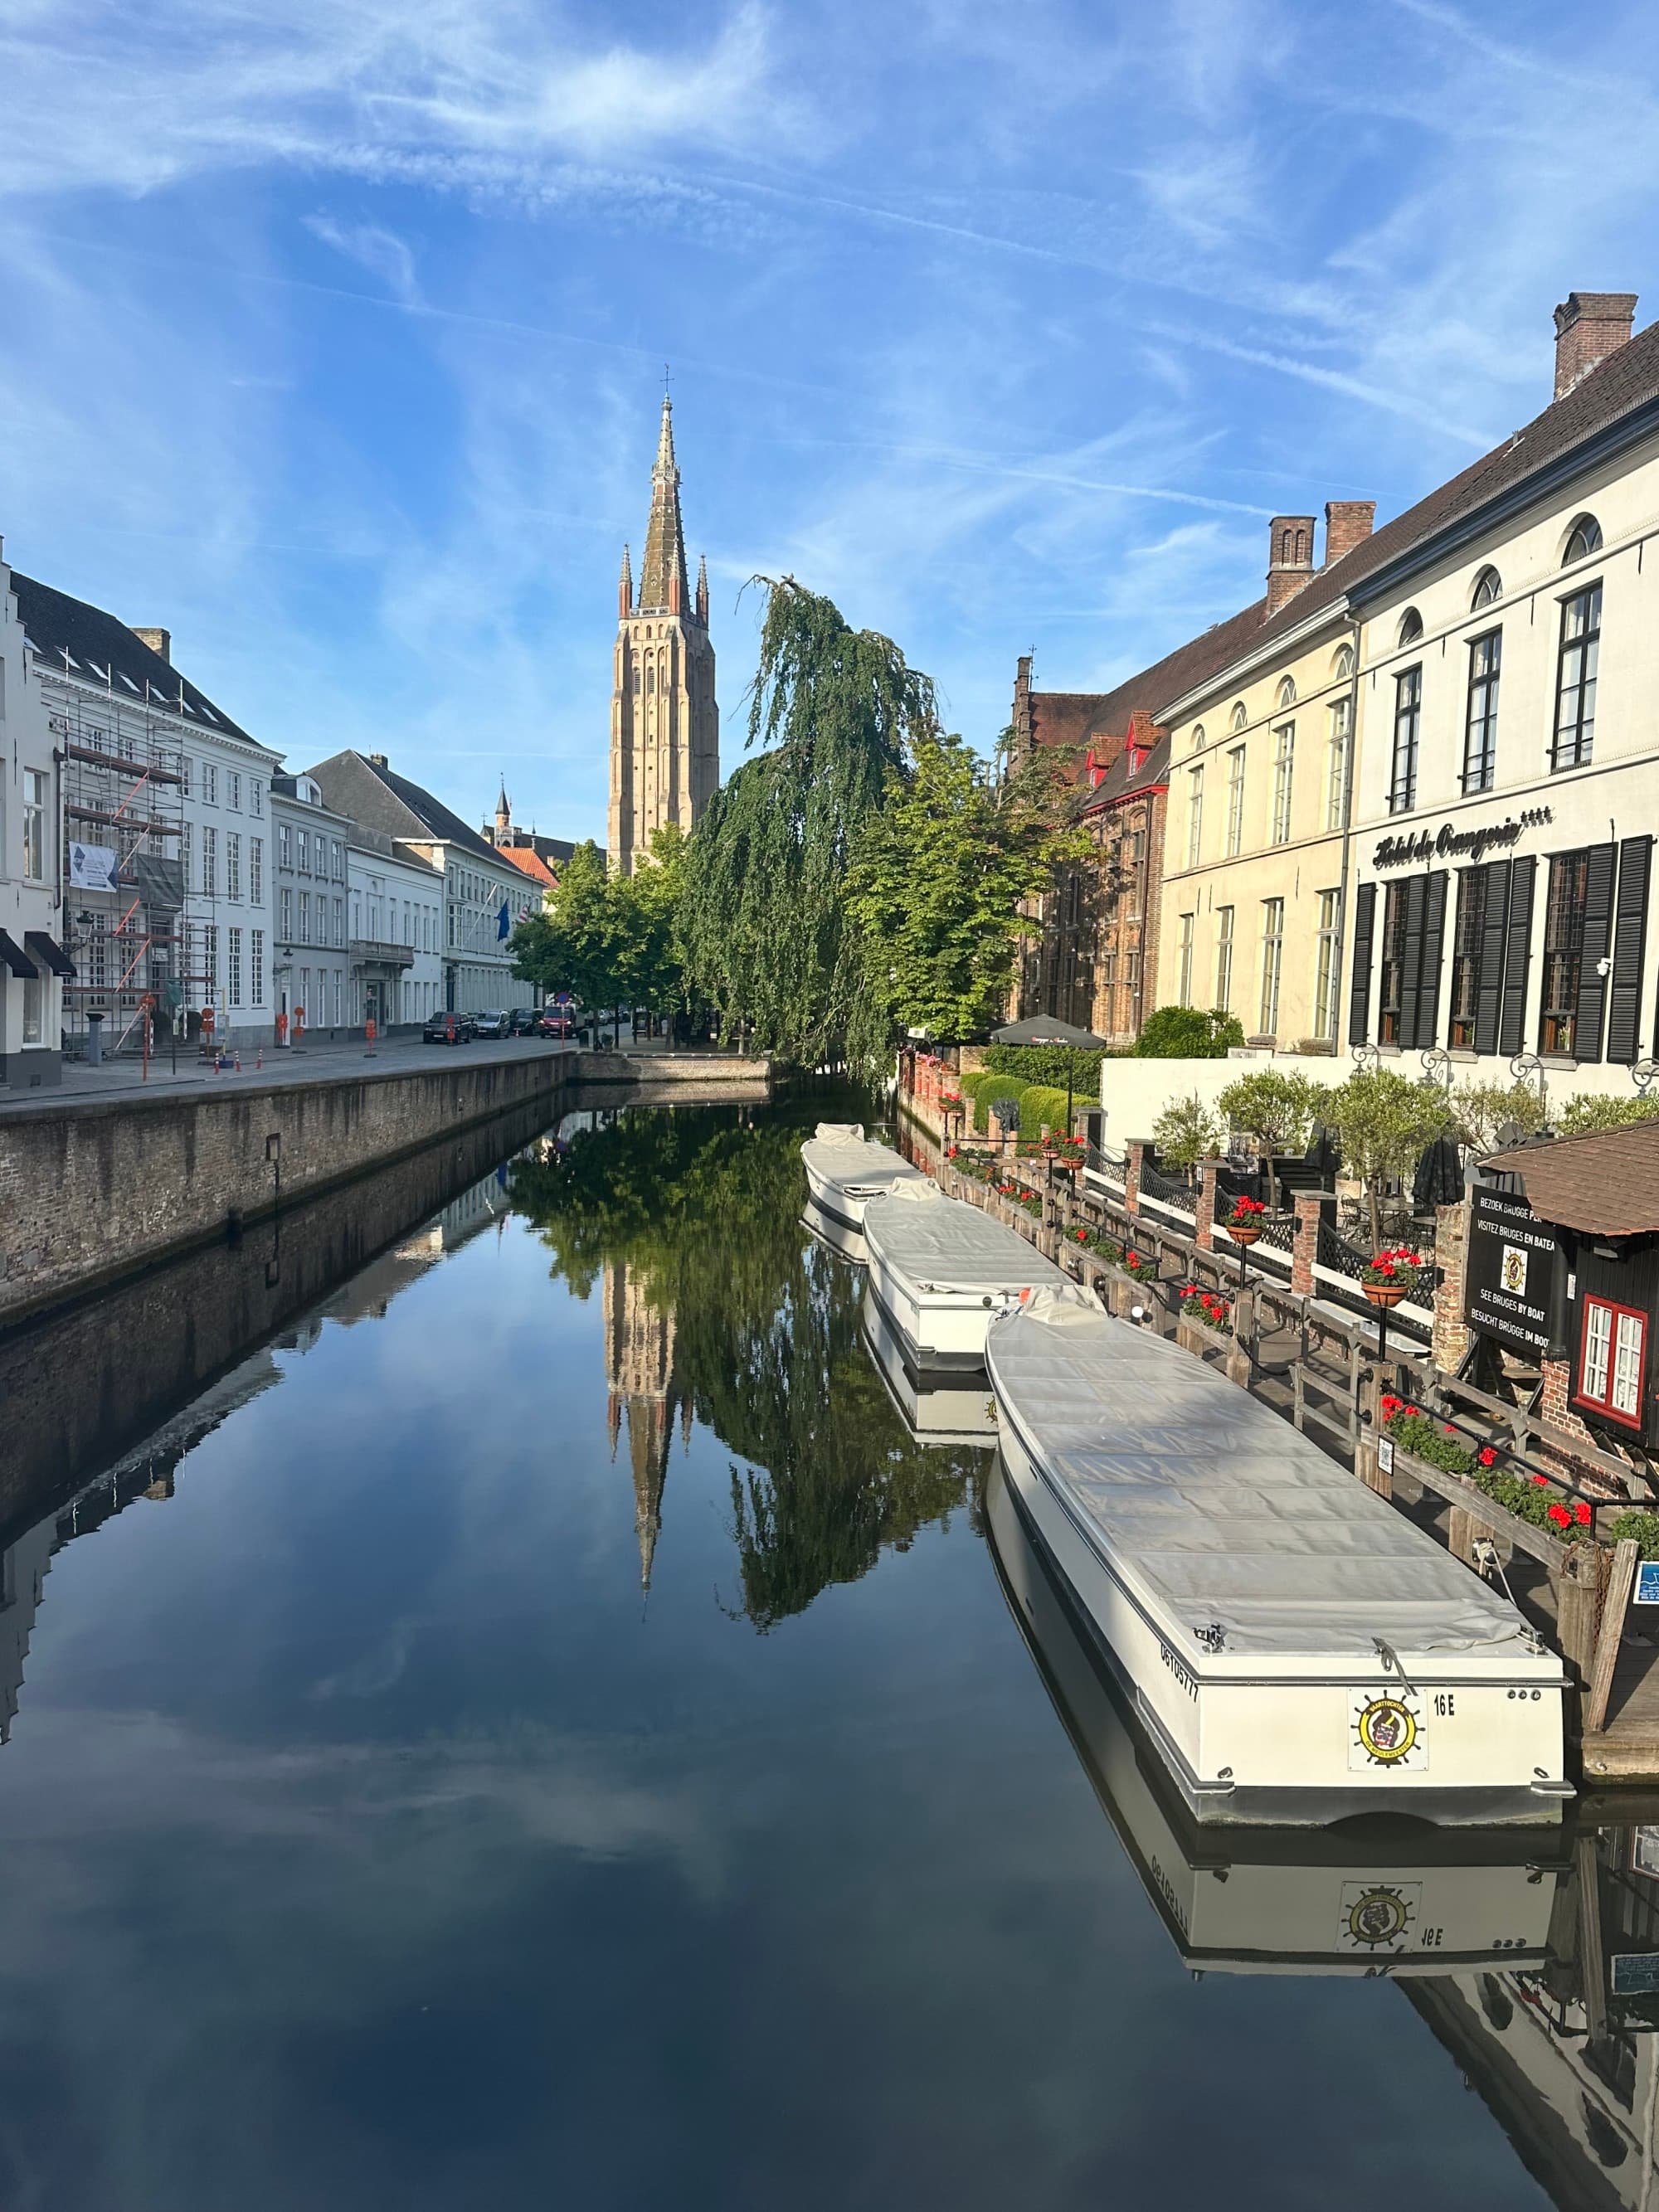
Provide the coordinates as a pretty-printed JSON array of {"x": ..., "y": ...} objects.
[
  {"x": 952, "y": 1409},
  {"x": 845, "y": 1170},
  {"x": 940, "y": 1268},
  {"x": 1298, "y": 1650}
]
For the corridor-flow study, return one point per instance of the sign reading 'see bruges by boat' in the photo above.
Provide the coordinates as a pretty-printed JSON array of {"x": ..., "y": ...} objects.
[
  {"x": 1448, "y": 844},
  {"x": 1512, "y": 1276}
]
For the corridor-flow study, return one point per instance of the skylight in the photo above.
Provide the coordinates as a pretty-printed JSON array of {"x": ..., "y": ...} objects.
[{"x": 128, "y": 681}]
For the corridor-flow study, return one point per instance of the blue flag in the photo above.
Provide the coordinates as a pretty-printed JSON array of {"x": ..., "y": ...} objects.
[{"x": 502, "y": 925}]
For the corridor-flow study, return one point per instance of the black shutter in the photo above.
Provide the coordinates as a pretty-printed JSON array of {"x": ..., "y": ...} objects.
[
  {"x": 1598, "y": 923},
  {"x": 1359, "y": 996},
  {"x": 1434, "y": 932},
  {"x": 1629, "y": 929},
  {"x": 1415, "y": 892},
  {"x": 1489, "y": 975},
  {"x": 1517, "y": 957}
]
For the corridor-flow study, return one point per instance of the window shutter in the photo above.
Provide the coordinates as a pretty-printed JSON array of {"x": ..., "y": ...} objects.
[
  {"x": 1629, "y": 929},
  {"x": 1359, "y": 997},
  {"x": 1415, "y": 890},
  {"x": 1598, "y": 922},
  {"x": 1489, "y": 974},
  {"x": 1434, "y": 931},
  {"x": 1517, "y": 957}
]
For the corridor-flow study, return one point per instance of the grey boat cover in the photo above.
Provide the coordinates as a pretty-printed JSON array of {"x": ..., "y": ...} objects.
[
  {"x": 939, "y": 1243},
  {"x": 840, "y": 1154},
  {"x": 1214, "y": 1511}
]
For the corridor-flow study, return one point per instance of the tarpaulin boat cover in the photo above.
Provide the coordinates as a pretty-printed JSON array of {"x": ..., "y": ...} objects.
[
  {"x": 943, "y": 1243},
  {"x": 839, "y": 1152},
  {"x": 1213, "y": 1510}
]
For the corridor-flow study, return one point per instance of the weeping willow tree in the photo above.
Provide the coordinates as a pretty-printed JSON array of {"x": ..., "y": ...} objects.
[{"x": 767, "y": 933}]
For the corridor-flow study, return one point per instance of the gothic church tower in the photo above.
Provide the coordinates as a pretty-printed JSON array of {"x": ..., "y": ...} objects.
[{"x": 665, "y": 725}]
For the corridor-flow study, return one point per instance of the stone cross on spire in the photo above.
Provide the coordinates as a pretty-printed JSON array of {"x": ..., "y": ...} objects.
[{"x": 663, "y": 586}]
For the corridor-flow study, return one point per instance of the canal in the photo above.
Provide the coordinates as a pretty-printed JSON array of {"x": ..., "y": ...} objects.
[{"x": 501, "y": 1710}]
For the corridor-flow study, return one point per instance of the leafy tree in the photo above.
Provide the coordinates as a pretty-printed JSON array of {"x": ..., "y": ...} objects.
[
  {"x": 1275, "y": 1109},
  {"x": 764, "y": 924},
  {"x": 1383, "y": 1122},
  {"x": 1187, "y": 1033},
  {"x": 648, "y": 904},
  {"x": 1584, "y": 1116},
  {"x": 1187, "y": 1132},
  {"x": 1482, "y": 1108},
  {"x": 580, "y": 941},
  {"x": 937, "y": 878}
]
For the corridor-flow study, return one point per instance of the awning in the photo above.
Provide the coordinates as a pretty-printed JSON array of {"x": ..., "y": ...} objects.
[
  {"x": 44, "y": 948},
  {"x": 16, "y": 959}
]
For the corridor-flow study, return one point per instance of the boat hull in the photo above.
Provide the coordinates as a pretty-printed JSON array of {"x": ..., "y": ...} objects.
[
  {"x": 942, "y": 1332},
  {"x": 952, "y": 1411}
]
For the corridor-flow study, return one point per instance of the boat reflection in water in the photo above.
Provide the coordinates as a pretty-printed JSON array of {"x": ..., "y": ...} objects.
[
  {"x": 950, "y": 1409},
  {"x": 838, "y": 1236}
]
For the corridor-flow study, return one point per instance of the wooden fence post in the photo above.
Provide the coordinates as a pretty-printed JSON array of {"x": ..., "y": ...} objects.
[
  {"x": 1579, "y": 1605},
  {"x": 1609, "y": 1633}
]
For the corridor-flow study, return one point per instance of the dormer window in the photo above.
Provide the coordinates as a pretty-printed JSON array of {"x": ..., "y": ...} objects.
[
  {"x": 1488, "y": 587},
  {"x": 1411, "y": 627},
  {"x": 1583, "y": 539}
]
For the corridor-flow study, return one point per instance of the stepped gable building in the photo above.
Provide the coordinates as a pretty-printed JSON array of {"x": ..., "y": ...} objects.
[{"x": 665, "y": 723}]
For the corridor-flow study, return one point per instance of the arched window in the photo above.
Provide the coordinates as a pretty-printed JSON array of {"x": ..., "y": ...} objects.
[
  {"x": 1488, "y": 586},
  {"x": 1198, "y": 737},
  {"x": 650, "y": 679},
  {"x": 1342, "y": 666},
  {"x": 1583, "y": 539},
  {"x": 636, "y": 679},
  {"x": 1239, "y": 716},
  {"x": 1286, "y": 695},
  {"x": 1410, "y": 626}
]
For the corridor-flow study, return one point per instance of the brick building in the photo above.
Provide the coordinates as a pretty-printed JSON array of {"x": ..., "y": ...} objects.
[{"x": 1124, "y": 811}]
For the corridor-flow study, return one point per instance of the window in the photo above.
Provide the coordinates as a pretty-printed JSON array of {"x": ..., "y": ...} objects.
[
  {"x": 1480, "y": 729},
  {"x": 1612, "y": 1358},
  {"x": 1411, "y": 627},
  {"x": 1187, "y": 921},
  {"x": 1283, "y": 765},
  {"x": 1564, "y": 951},
  {"x": 232, "y": 866},
  {"x": 1286, "y": 695},
  {"x": 1326, "y": 966},
  {"x": 37, "y": 794},
  {"x": 1583, "y": 539},
  {"x": 1391, "y": 985},
  {"x": 1575, "y": 688},
  {"x": 210, "y": 863},
  {"x": 256, "y": 996},
  {"x": 210, "y": 957},
  {"x": 339, "y": 921},
  {"x": 184, "y": 770},
  {"x": 1407, "y": 719},
  {"x": 337, "y": 858},
  {"x": 235, "y": 972},
  {"x": 302, "y": 855},
  {"x": 1194, "y": 817},
  {"x": 1234, "y": 801},
  {"x": 1198, "y": 737},
  {"x": 356, "y": 913},
  {"x": 1240, "y": 717},
  {"x": 285, "y": 930},
  {"x": 285, "y": 846},
  {"x": 1223, "y": 959},
  {"x": 1342, "y": 666},
  {"x": 1338, "y": 765},
  {"x": 255, "y": 872},
  {"x": 1475, "y": 886},
  {"x": 1488, "y": 587},
  {"x": 305, "y": 917},
  {"x": 636, "y": 679},
  {"x": 210, "y": 784},
  {"x": 256, "y": 802},
  {"x": 1273, "y": 955},
  {"x": 34, "y": 1010},
  {"x": 233, "y": 798}
]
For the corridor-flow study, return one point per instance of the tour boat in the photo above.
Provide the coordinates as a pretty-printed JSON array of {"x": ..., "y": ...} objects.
[
  {"x": 939, "y": 1269},
  {"x": 845, "y": 1170},
  {"x": 1299, "y": 1650},
  {"x": 830, "y": 1230},
  {"x": 955, "y": 1410},
  {"x": 1377, "y": 1898}
]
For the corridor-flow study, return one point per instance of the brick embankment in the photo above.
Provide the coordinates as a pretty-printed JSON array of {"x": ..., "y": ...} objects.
[{"x": 92, "y": 1190}]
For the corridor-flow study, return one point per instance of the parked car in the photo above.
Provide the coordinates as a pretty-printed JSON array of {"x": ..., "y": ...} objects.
[
  {"x": 521, "y": 1022},
  {"x": 445, "y": 1028},
  {"x": 491, "y": 1024},
  {"x": 551, "y": 1023}
]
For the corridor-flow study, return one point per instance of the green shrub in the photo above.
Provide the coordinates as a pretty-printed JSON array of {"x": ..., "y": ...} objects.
[
  {"x": 999, "y": 1090},
  {"x": 1187, "y": 1033},
  {"x": 1040, "y": 1102},
  {"x": 1643, "y": 1528},
  {"x": 1583, "y": 1117},
  {"x": 1048, "y": 1063},
  {"x": 1187, "y": 1132}
]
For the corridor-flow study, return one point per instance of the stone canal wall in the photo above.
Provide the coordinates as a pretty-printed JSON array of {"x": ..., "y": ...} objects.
[{"x": 91, "y": 1191}]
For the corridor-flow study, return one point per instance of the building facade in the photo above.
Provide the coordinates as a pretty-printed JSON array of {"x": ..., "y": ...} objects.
[
  {"x": 1124, "y": 811},
  {"x": 665, "y": 722},
  {"x": 34, "y": 969},
  {"x": 311, "y": 960},
  {"x": 398, "y": 899}
]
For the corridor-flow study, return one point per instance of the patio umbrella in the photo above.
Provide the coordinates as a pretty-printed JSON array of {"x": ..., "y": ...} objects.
[{"x": 1046, "y": 1029}]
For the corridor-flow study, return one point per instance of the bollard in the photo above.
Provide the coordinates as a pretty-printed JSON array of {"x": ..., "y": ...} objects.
[{"x": 238, "y": 1068}]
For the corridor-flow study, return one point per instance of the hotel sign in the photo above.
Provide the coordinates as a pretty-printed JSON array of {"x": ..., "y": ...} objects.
[
  {"x": 1512, "y": 1276},
  {"x": 1449, "y": 844}
]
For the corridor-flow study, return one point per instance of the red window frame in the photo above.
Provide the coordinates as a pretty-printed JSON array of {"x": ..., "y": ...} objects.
[{"x": 1604, "y": 1406}]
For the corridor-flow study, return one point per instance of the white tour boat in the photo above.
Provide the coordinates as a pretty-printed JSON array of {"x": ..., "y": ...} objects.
[
  {"x": 1393, "y": 1898},
  {"x": 1298, "y": 1649},
  {"x": 954, "y": 1409},
  {"x": 939, "y": 1269},
  {"x": 845, "y": 1170}
]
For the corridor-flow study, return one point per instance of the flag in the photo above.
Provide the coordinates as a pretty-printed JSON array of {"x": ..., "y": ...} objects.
[{"x": 503, "y": 926}]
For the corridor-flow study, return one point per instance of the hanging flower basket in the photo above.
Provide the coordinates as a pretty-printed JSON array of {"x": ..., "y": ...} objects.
[
  {"x": 1244, "y": 1224},
  {"x": 1390, "y": 1276}
]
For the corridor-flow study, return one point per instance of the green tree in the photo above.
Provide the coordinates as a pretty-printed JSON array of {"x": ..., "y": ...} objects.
[
  {"x": 1383, "y": 1122},
  {"x": 1187, "y": 1132},
  {"x": 579, "y": 942},
  {"x": 1276, "y": 1109},
  {"x": 1584, "y": 1116},
  {"x": 1482, "y": 1109},
  {"x": 648, "y": 905},
  {"x": 767, "y": 936},
  {"x": 1187, "y": 1033},
  {"x": 937, "y": 878}
]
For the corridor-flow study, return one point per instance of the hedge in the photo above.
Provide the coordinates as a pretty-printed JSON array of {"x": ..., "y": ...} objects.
[
  {"x": 999, "y": 1088},
  {"x": 1040, "y": 1102},
  {"x": 1050, "y": 1064}
]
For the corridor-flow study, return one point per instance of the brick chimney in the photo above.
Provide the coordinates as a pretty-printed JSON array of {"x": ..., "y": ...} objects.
[
  {"x": 1588, "y": 326},
  {"x": 161, "y": 640},
  {"x": 1348, "y": 523},
  {"x": 1290, "y": 558}
]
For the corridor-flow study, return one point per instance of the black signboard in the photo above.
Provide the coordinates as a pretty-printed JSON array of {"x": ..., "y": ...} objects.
[{"x": 1513, "y": 1280}]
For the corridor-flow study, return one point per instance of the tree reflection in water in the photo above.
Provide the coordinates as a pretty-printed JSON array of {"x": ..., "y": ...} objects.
[{"x": 701, "y": 1206}]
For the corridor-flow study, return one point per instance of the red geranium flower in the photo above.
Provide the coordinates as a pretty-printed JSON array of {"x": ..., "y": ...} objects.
[
  {"x": 1542, "y": 1480},
  {"x": 1582, "y": 1514},
  {"x": 1560, "y": 1516},
  {"x": 1486, "y": 1455}
]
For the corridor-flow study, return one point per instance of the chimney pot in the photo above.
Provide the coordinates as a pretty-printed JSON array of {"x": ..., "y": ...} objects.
[
  {"x": 1348, "y": 523},
  {"x": 1588, "y": 326},
  {"x": 378, "y": 760},
  {"x": 1290, "y": 558},
  {"x": 158, "y": 641}
]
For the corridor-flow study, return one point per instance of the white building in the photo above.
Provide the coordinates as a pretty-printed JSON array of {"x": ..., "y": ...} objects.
[
  {"x": 311, "y": 959},
  {"x": 33, "y": 967},
  {"x": 396, "y": 931}
]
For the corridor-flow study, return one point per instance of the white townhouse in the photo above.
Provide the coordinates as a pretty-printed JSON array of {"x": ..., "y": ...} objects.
[
  {"x": 165, "y": 833},
  {"x": 311, "y": 958},
  {"x": 1507, "y": 794},
  {"x": 396, "y": 931},
  {"x": 34, "y": 966},
  {"x": 484, "y": 893}
]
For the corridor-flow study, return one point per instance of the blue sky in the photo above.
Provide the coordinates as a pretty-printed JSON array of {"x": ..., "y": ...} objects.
[{"x": 333, "y": 330}]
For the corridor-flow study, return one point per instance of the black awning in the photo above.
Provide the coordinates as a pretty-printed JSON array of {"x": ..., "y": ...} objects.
[
  {"x": 44, "y": 948},
  {"x": 16, "y": 959}
]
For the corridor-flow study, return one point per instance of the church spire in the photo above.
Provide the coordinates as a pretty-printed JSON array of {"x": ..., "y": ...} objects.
[
  {"x": 625, "y": 589},
  {"x": 663, "y": 586},
  {"x": 702, "y": 589}
]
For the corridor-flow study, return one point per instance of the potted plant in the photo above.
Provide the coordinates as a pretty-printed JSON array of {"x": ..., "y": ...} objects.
[
  {"x": 1244, "y": 1224},
  {"x": 1390, "y": 1276},
  {"x": 1208, "y": 1308}
]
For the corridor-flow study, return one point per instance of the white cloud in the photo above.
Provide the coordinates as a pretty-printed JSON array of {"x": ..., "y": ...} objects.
[{"x": 373, "y": 247}]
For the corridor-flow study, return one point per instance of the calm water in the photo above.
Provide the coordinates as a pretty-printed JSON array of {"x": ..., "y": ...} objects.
[{"x": 375, "y": 1836}]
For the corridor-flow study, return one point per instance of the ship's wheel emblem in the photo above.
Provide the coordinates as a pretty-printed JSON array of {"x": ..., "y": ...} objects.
[
  {"x": 1387, "y": 1729},
  {"x": 1375, "y": 1916}
]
